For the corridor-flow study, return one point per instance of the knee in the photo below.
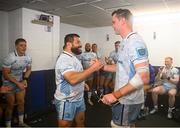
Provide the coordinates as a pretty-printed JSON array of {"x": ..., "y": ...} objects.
[
  {"x": 80, "y": 122},
  {"x": 64, "y": 123},
  {"x": 155, "y": 91},
  {"x": 172, "y": 94}
]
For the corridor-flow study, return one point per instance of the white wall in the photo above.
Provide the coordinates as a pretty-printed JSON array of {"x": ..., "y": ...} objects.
[
  {"x": 167, "y": 42},
  {"x": 15, "y": 27},
  {"x": 67, "y": 29},
  {"x": 43, "y": 46},
  {"x": 4, "y": 42},
  {"x": 98, "y": 35}
]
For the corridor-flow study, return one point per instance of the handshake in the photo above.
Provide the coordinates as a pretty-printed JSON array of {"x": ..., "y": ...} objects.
[{"x": 97, "y": 64}]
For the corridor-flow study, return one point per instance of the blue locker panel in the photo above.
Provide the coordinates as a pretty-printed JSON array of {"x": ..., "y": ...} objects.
[{"x": 35, "y": 95}]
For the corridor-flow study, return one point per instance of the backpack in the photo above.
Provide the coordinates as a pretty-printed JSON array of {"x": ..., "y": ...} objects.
[{"x": 152, "y": 74}]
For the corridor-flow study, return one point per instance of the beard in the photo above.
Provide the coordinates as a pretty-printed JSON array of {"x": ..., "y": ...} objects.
[
  {"x": 88, "y": 50},
  {"x": 76, "y": 50}
]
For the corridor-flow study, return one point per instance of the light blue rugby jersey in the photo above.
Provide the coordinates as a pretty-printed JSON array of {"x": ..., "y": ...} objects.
[
  {"x": 17, "y": 64},
  {"x": 170, "y": 73},
  {"x": 86, "y": 57},
  {"x": 114, "y": 56},
  {"x": 132, "y": 49},
  {"x": 65, "y": 63}
]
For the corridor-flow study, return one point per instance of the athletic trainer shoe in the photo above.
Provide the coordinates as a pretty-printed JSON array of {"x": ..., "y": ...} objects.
[
  {"x": 169, "y": 116},
  {"x": 23, "y": 125},
  {"x": 90, "y": 102},
  {"x": 154, "y": 110}
]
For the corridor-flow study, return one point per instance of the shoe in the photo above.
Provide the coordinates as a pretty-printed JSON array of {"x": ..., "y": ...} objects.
[
  {"x": 101, "y": 91},
  {"x": 154, "y": 110},
  {"x": 90, "y": 102},
  {"x": 146, "y": 111},
  {"x": 23, "y": 125},
  {"x": 113, "y": 125},
  {"x": 141, "y": 114},
  {"x": 169, "y": 116}
]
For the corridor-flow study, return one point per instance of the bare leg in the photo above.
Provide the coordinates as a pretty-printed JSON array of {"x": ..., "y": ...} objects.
[
  {"x": 79, "y": 119},
  {"x": 20, "y": 105},
  {"x": 172, "y": 94},
  {"x": 155, "y": 92},
  {"x": 64, "y": 123},
  {"x": 10, "y": 99}
]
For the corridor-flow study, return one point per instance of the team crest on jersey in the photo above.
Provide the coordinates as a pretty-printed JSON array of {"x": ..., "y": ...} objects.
[{"x": 141, "y": 51}]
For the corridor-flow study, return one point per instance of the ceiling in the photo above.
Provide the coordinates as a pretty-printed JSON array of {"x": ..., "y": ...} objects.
[{"x": 91, "y": 13}]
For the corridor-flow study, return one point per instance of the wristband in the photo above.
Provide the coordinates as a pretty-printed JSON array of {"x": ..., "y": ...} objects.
[{"x": 117, "y": 95}]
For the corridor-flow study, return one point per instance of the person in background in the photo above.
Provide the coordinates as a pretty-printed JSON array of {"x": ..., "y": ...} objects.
[
  {"x": 70, "y": 76},
  {"x": 112, "y": 59},
  {"x": 114, "y": 54},
  {"x": 16, "y": 69},
  {"x": 95, "y": 50},
  {"x": 166, "y": 82},
  {"x": 97, "y": 75},
  {"x": 132, "y": 72},
  {"x": 86, "y": 57}
]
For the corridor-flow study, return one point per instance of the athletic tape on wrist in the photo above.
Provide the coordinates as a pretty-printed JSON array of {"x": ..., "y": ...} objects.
[{"x": 136, "y": 81}]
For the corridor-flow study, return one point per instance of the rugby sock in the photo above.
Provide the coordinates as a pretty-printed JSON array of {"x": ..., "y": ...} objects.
[
  {"x": 155, "y": 106},
  {"x": 101, "y": 90},
  {"x": 142, "y": 107},
  {"x": 21, "y": 117},
  {"x": 8, "y": 123},
  {"x": 89, "y": 95}
]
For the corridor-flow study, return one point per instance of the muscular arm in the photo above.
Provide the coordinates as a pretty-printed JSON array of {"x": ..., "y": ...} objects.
[
  {"x": 175, "y": 79},
  {"x": 74, "y": 77},
  {"x": 128, "y": 88},
  {"x": 28, "y": 72},
  {"x": 26, "y": 75},
  {"x": 158, "y": 76},
  {"x": 110, "y": 68},
  {"x": 142, "y": 70},
  {"x": 7, "y": 75}
]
